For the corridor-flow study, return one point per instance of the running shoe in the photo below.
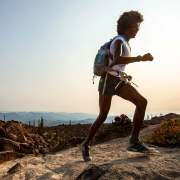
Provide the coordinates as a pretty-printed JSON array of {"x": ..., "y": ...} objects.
[
  {"x": 85, "y": 152},
  {"x": 140, "y": 147}
]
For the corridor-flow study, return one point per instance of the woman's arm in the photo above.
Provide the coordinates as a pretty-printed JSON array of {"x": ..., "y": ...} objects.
[{"x": 117, "y": 59}]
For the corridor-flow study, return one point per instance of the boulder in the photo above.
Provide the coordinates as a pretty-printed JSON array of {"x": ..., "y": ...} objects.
[
  {"x": 127, "y": 121},
  {"x": 15, "y": 168},
  {"x": 157, "y": 120},
  {"x": 117, "y": 119},
  {"x": 7, "y": 145}
]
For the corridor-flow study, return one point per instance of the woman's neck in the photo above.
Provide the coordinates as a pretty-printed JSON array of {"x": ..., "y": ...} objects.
[{"x": 126, "y": 36}]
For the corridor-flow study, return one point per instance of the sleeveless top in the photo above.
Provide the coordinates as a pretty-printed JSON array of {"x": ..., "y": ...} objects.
[{"x": 126, "y": 54}]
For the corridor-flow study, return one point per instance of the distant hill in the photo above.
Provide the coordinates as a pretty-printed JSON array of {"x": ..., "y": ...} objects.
[
  {"x": 30, "y": 116},
  {"x": 59, "y": 122},
  {"x": 53, "y": 118},
  {"x": 10, "y": 116}
]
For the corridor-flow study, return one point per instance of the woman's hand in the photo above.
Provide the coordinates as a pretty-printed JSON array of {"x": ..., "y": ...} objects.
[{"x": 147, "y": 57}]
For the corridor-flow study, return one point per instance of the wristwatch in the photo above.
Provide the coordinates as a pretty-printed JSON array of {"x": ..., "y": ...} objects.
[{"x": 139, "y": 58}]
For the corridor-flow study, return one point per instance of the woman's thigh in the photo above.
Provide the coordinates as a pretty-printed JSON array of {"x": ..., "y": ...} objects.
[
  {"x": 104, "y": 104},
  {"x": 129, "y": 93}
]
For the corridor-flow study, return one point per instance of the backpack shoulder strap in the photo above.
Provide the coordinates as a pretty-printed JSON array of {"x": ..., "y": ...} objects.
[{"x": 124, "y": 46}]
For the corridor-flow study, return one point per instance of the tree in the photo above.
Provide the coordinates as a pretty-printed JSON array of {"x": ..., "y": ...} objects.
[
  {"x": 42, "y": 122},
  {"x": 41, "y": 126},
  {"x": 147, "y": 117},
  {"x": 34, "y": 128}
]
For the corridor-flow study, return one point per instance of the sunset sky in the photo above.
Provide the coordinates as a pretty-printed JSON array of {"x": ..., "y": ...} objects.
[{"x": 47, "y": 51}]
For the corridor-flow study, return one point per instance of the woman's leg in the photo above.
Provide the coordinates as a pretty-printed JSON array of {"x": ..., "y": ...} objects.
[
  {"x": 129, "y": 93},
  {"x": 104, "y": 106}
]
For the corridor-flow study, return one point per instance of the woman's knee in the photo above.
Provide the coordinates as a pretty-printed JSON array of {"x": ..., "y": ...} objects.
[
  {"x": 142, "y": 103},
  {"x": 102, "y": 117}
]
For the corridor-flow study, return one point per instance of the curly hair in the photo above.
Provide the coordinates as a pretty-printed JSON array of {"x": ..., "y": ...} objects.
[{"x": 127, "y": 19}]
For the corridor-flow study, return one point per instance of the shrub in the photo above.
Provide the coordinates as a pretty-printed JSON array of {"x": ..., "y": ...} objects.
[{"x": 167, "y": 134}]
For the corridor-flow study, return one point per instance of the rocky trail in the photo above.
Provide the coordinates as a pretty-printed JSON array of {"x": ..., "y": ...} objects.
[{"x": 110, "y": 160}]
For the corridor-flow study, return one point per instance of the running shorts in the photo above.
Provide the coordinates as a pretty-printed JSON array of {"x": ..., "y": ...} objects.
[{"x": 108, "y": 83}]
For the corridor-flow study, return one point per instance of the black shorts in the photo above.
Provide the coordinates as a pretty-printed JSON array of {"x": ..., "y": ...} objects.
[{"x": 108, "y": 83}]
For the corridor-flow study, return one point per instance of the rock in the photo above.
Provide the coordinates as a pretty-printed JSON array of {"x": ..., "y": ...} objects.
[
  {"x": 93, "y": 172},
  {"x": 127, "y": 121},
  {"x": 2, "y": 132},
  {"x": 7, "y": 145},
  {"x": 157, "y": 120},
  {"x": 15, "y": 168},
  {"x": 117, "y": 119}
]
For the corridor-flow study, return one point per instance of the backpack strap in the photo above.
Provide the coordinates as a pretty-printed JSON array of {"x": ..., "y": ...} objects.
[{"x": 123, "y": 48}]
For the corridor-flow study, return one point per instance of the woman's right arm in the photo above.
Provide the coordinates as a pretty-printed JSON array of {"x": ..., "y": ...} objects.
[{"x": 118, "y": 59}]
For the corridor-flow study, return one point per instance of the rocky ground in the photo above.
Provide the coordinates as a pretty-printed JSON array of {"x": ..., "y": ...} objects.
[
  {"x": 110, "y": 160},
  {"x": 38, "y": 157},
  {"x": 18, "y": 139},
  {"x": 158, "y": 119}
]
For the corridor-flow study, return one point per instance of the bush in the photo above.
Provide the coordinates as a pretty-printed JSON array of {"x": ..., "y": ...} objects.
[{"x": 167, "y": 134}]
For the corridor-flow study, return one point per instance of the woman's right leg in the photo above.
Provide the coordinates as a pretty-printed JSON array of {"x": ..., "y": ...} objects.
[{"x": 104, "y": 106}]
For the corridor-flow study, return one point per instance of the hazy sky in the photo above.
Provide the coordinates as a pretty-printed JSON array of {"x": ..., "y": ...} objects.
[{"x": 47, "y": 51}]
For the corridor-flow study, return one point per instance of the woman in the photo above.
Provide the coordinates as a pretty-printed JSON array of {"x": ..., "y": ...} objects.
[{"x": 110, "y": 84}]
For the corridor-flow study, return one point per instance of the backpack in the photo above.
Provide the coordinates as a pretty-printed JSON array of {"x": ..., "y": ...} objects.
[{"x": 101, "y": 62}]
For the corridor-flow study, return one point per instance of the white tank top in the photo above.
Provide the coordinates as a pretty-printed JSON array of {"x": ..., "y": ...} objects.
[{"x": 126, "y": 54}]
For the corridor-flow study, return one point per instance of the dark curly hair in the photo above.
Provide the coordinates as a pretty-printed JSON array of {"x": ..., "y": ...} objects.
[{"x": 127, "y": 19}]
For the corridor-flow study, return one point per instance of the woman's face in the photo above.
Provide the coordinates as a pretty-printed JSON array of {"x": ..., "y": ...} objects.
[{"x": 133, "y": 30}]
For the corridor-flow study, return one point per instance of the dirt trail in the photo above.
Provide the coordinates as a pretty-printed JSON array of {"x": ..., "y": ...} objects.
[{"x": 110, "y": 160}]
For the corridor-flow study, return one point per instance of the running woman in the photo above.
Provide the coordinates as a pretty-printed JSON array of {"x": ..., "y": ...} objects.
[{"x": 127, "y": 25}]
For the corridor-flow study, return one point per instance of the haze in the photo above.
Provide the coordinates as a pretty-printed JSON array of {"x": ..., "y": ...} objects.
[{"x": 47, "y": 50}]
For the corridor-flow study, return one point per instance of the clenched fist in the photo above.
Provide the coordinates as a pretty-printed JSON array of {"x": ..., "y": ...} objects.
[{"x": 147, "y": 57}]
